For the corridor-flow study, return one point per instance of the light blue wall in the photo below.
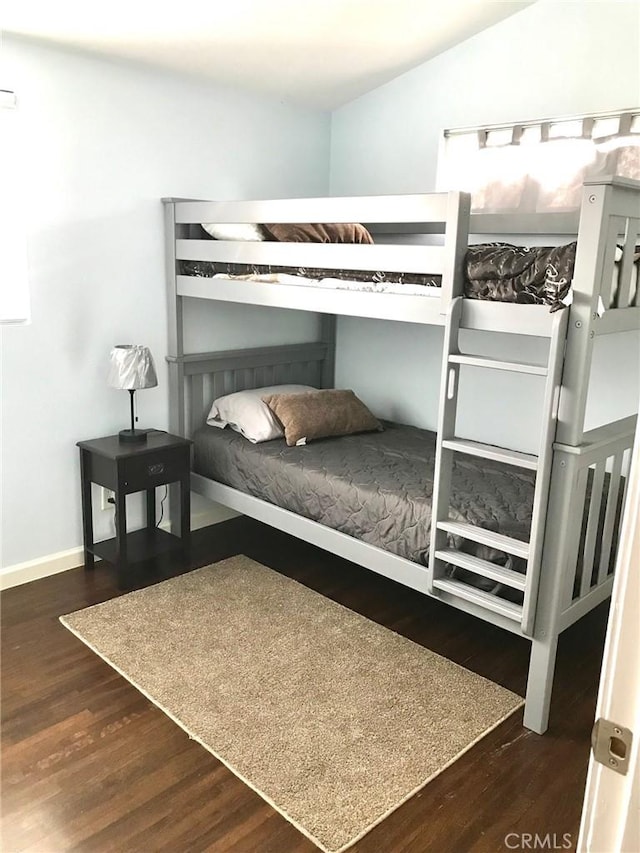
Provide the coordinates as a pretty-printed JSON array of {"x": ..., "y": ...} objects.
[
  {"x": 552, "y": 59},
  {"x": 103, "y": 142}
]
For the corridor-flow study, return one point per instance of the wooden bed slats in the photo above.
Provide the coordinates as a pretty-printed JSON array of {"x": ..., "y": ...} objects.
[
  {"x": 611, "y": 514},
  {"x": 616, "y": 226},
  {"x": 598, "y": 531},
  {"x": 577, "y": 499},
  {"x": 597, "y": 483},
  {"x": 214, "y": 374},
  {"x": 624, "y": 295},
  {"x": 592, "y": 527}
]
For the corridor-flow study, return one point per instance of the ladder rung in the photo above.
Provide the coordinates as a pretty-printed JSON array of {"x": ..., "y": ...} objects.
[
  {"x": 493, "y": 364},
  {"x": 482, "y": 599},
  {"x": 486, "y": 537},
  {"x": 491, "y": 451},
  {"x": 483, "y": 568}
]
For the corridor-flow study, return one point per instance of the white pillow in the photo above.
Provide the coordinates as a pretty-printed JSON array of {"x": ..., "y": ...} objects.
[
  {"x": 233, "y": 230},
  {"x": 246, "y": 413}
]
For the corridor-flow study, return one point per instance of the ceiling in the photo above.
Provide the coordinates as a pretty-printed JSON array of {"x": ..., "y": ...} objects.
[{"x": 320, "y": 53}]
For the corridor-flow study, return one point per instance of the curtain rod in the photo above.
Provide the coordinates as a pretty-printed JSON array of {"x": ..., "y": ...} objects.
[{"x": 460, "y": 131}]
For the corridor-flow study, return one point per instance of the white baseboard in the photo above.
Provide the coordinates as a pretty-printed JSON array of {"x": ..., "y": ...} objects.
[
  {"x": 41, "y": 567},
  {"x": 53, "y": 564},
  {"x": 212, "y": 515}
]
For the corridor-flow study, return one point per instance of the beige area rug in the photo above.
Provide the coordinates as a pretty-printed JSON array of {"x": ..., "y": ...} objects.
[{"x": 334, "y": 720}]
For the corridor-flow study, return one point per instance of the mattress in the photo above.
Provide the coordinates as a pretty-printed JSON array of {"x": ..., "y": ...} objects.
[
  {"x": 496, "y": 272},
  {"x": 377, "y": 487},
  {"x": 361, "y": 280}
]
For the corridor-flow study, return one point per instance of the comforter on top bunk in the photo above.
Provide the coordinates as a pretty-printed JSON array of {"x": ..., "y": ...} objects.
[
  {"x": 494, "y": 271},
  {"x": 499, "y": 272},
  {"x": 540, "y": 275},
  {"x": 377, "y": 487}
]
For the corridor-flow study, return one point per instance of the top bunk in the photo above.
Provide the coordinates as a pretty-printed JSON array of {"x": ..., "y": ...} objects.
[{"x": 405, "y": 257}]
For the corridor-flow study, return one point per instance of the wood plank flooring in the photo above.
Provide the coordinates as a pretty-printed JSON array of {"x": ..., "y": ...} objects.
[{"x": 89, "y": 764}]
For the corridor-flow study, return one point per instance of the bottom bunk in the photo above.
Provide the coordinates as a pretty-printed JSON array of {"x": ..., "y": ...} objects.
[
  {"x": 378, "y": 487},
  {"x": 375, "y": 488}
]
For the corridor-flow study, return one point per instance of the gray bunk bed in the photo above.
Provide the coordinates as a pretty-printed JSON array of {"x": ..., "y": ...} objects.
[{"x": 566, "y": 554}]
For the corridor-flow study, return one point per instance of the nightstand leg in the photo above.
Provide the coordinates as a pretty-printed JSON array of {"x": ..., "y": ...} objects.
[
  {"x": 185, "y": 514},
  {"x": 121, "y": 538},
  {"x": 87, "y": 508},
  {"x": 151, "y": 508}
]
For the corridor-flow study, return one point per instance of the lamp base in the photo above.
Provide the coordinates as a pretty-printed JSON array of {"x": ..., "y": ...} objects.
[{"x": 133, "y": 435}]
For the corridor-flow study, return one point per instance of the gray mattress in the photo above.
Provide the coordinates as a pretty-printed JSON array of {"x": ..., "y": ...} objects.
[{"x": 376, "y": 487}]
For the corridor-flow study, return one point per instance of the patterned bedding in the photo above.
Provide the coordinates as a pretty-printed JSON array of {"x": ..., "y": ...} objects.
[
  {"x": 498, "y": 272},
  {"x": 345, "y": 279},
  {"x": 312, "y": 276},
  {"x": 541, "y": 275},
  {"x": 377, "y": 487},
  {"x": 504, "y": 273}
]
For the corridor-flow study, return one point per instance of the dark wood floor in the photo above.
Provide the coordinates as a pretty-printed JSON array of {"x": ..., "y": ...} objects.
[{"x": 89, "y": 764}]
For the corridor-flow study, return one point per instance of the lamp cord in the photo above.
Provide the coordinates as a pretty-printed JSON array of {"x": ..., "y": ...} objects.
[{"x": 164, "y": 497}]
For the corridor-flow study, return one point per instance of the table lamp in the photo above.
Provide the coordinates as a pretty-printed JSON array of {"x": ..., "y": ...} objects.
[{"x": 132, "y": 368}]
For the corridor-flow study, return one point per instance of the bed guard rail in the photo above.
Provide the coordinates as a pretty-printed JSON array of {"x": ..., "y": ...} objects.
[
  {"x": 428, "y": 213},
  {"x": 586, "y": 504}
]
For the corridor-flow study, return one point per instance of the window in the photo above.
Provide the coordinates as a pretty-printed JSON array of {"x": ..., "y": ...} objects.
[
  {"x": 539, "y": 165},
  {"x": 14, "y": 288}
]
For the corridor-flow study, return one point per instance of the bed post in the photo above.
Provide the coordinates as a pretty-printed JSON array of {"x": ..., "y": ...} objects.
[
  {"x": 552, "y": 590},
  {"x": 175, "y": 350},
  {"x": 594, "y": 256},
  {"x": 456, "y": 239},
  {"x": 328, "y": 337}
]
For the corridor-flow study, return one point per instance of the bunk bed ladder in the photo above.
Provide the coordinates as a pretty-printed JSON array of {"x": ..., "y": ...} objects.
[{"x": 442, "y": 553}]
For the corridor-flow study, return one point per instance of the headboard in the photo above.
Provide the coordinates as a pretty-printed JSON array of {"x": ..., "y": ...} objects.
[{"x": 198, "y": 378}]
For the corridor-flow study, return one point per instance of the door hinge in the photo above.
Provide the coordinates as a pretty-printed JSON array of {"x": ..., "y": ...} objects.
[{"x": 611, "y": 745}]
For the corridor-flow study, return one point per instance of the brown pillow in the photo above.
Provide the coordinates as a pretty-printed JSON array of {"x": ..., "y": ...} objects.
[
  {"x": 331, "y": 232},
  {"x": 319, "y": 414}
]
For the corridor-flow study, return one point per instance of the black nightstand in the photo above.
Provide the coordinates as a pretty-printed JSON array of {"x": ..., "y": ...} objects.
[{"x": 125, "y": 468}]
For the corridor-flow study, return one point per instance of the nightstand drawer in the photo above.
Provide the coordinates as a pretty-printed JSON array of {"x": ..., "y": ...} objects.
[{"x": 152, "y": 469}]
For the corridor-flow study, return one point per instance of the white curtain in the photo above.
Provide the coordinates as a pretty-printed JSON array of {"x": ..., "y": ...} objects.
[
  {"x": 14, "y": 287},
  {"x": 539, "y": 166}
]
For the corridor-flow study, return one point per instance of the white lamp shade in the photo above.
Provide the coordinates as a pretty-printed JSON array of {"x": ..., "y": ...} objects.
[{"x": 132, "y": 368}]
